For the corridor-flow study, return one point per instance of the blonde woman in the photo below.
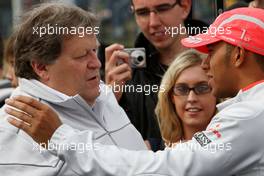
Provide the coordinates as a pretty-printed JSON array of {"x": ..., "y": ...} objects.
[{"x": 186, "y": 104}]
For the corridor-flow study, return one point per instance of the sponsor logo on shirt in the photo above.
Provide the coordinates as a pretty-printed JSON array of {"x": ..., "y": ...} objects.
[{"x": 202, "y": 139}]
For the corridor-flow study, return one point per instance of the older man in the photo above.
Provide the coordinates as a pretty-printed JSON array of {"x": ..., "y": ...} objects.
[
  {"x": 55, "y": 58},
  {"x": 231, "y": 144}
]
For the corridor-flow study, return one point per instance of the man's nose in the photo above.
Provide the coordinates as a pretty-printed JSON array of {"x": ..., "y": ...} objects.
[
  {"x": 154, "y": 19},
  {"x": 95, "y": 63}
]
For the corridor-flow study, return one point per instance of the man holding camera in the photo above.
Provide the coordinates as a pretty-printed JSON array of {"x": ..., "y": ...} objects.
[{"x": 154, "y": 18}]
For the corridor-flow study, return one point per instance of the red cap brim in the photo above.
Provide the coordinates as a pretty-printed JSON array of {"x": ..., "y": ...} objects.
[{"x": 199, "y": 42}]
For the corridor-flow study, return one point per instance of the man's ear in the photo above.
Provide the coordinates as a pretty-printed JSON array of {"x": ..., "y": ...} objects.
[
  {"x": 186, "y": 8},
  {"x": 40, "y": 69},
  {"x": 239, "y": 56}
]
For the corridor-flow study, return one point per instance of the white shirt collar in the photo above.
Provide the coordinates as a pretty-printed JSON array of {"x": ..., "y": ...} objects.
[{"x": 61, "y": 95}]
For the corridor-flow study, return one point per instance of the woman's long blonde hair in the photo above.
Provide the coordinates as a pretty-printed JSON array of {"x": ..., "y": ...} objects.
[{"x": 169, "y": 122}]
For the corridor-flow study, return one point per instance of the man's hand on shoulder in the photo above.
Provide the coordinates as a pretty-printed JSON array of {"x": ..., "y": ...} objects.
[{"x": 35, "y": 118}]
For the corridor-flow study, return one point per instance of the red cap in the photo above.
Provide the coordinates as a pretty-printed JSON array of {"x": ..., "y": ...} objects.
[{"x": 242, "y": 27}]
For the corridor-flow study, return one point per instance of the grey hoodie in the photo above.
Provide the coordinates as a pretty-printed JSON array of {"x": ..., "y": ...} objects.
[{"x": 111, "y": 126}]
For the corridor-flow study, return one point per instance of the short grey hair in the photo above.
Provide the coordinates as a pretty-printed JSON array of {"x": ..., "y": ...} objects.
[{"x": 46, "y": 49}]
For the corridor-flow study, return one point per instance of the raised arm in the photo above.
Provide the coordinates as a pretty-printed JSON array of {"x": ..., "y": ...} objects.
[{"x": 216, "y": 151}]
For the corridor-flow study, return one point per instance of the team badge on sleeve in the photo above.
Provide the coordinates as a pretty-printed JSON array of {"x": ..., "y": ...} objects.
[{"x": 202, "y": 139}]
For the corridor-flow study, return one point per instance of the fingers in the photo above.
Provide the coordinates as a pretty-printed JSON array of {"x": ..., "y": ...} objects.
[
  {"x": 40, "y": 123},
  {"x": 119, "y": 70},
  {"x": 29, "y": 101},
  {"x": 20, "y": 115},
  {"x": 119, "y": 74},
  {"x": 125, "y": 76},
  {"x": 25, "y": 107},
  {"x": 115, "y": 57},
  {"x": 115, "y": 73},
  {"x": 19, "y": 124},
  {"x": 110, "y": 49},
  {"x": 120, "y": 78}
]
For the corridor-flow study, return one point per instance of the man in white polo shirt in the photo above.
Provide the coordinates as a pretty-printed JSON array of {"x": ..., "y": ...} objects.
[{"x": 232, "y": 143}]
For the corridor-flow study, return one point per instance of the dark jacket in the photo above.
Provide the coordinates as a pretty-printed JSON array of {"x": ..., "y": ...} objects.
[{"x": 138, "y": 105}]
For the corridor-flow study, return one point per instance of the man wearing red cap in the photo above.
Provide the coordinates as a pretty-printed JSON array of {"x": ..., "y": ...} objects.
[{"x": 231, "y": 144}]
